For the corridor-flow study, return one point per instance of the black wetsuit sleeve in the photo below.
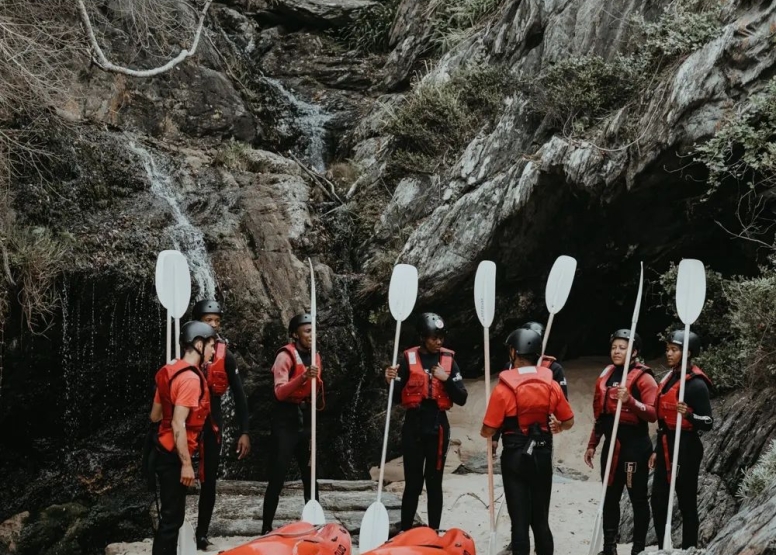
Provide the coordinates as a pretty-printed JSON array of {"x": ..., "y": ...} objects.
[
  {"x": 454, "y": 386},
  {"x": 696, "y": 395},
  {"x": 401, "y": 380},
  {"x": 240, "y": 400},
  {"x": 560, "y": 376}
]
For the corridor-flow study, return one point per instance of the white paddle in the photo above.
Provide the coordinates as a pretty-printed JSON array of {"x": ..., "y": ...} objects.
[
  {"x": 313, "y": 512},
  {"x": 557, "y": 290},
  {"x": 485, "y": 304},
  {"x": 402, "y": 294},
  {"x": 173, "y": 287},
  {"x": 596, "y": 544},
  {"x": 690, "y": 296}
]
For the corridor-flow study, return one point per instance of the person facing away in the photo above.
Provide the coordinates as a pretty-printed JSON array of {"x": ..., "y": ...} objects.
[
  {"x": 547, "y": 361},
  {"x": 293, "y": 372},
  {"x": 221, "y": 374},
  {"x": 181, "y": 406},
  {"x": 528, "y": 405},
  {"x": 428, "y": 383},
  {"x": 696, "y": 419},
  {"x": 632, "y": 444}
]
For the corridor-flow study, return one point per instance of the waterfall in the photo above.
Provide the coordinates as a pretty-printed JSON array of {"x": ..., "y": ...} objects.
[
  {"x": 185, "y": 237},
  {"x": 311, "y": 121}
]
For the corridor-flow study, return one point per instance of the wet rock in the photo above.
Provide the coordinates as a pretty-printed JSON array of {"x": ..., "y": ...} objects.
[
  {"x": 321, "y": 12},
  {"x": 10, "y": 531}
]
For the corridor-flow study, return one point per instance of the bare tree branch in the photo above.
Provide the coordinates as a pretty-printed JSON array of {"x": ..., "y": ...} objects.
[{"x": 106, "y": 65}]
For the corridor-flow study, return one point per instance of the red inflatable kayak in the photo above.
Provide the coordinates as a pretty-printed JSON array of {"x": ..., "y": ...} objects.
[
  {"x": 299, "y": 538},
  {"x": 426, "y": 541}
]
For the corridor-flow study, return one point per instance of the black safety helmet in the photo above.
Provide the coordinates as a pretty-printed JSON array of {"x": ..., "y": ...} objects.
[
  {"x": 694, "y": 344},
  {"x": 208, "y": 306},
  {"x": 625, "y": 334},
  {"x": 191, "y": 331},
  {"x": 431, "y": 324},
  {"x": 525, "y": 342},
  {"x": 298, "y": 320},
  {"x": 535, "y": 326}
]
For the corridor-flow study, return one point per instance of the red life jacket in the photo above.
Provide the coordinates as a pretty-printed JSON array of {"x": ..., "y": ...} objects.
[
  {"x": 305, "y": 392},
  {"x": 532, "y": 386},
  {"x": 421, "y": 385},
  {"x": 197, "y": 417},
  {"x": 215, "y": 371},
  {"x": 546, "y": 361},
  {"x": 666, "y": 402},
  {"x": 605, "y": 398}
]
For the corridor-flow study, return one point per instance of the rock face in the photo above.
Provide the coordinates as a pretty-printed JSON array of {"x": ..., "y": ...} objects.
[{"x": 321, "y": 12}]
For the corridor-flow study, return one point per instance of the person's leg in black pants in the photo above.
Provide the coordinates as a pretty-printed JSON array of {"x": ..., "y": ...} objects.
[
  {"x": 690, "y": 454},
  {"x": 285, "y": 437},
  {"x": 302, "y": 455},
  {"x": 207, "y": 491},
  {"x": 660, "y": 487},
  {"x": 517, "y": 492},
  {"x": 434, "y": 471},
  {"x": 414, "y": 458},
  {"x": 637, "y": 455},
  {"x": 611, "y": 517},
  {"x": 172, "y": 498},
  {"x": 540, "y": 501}
]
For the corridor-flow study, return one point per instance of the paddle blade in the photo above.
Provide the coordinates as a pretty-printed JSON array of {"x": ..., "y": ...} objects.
[
  {"x": 485, "y": 292},
  {"x": 559, "y": 283},
  {"x": 690, "y": 290},
  {"x": 374, "y": 528},
  {"x": 503, "y": 529},
  {"x": 187, "y": 544},
  {"x": 162, "y": 290},
  {"x": 178, "y": 281},
  {"x": 313, "y": 513},
  {"x": 403, "y": 291},
  {"x": 597, "y": 541},
  {"x": 493, "y": 544}
]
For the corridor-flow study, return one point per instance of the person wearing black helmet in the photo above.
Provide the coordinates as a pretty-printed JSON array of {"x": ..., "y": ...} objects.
[
  {"x": 221, "y": 374},
  {"x": 528, "y": 406},
  {"x": 181, "y": 407},
  {"x": 428, "y": 383},
  {"x": 549, "y": 361},
  {"x": 696, "y": 419},
  {"x": 633, "y": 446},
  {"x": 293, "y": 372}
]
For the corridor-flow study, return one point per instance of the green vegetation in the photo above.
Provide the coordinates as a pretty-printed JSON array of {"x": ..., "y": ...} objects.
[
  {"x": 743, "y": 149},
  {"x": 370, "y": 30},
  {"x": 759, "y": 477},
  {"x": 739, "y": 323},
  {"x": 453, "y": 21},
  {"x": 233, "y": 155},
  {"x": 438, "y": 119}
]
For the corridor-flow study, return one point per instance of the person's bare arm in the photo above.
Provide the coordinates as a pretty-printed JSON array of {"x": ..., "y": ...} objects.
[
  {"x": 179, "y": 416},
  {"x": 156, "y": 412}
]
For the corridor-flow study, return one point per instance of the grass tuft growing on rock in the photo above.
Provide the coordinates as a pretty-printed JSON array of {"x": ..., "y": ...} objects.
[
  {"x": 438, "y": 119},
  {"x": 233, "y": 155},
  {"x": 759, "y": 477},
  {"x": 370, "y": 29}
]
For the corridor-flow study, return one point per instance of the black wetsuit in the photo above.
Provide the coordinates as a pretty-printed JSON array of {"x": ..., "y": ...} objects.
[
  {"x": 696, "y": 396},
  {"x": 212, "y": 442},
  {"x": 290, "y": 439},
  {"x": 630, "y": 466},
  {"x": 425, "y": 439}
]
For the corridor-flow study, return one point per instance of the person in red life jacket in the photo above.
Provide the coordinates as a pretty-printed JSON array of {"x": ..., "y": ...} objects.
[
  {"x": 549, "y": 361},
  {"x": 293, "y": 372},
  {"x": 633, "y": 446},
  {"x": 529, "y": 406},
  {"x": 221, "y": 374},
  {"x": 696, "y": 419},
  {"x": 428, "y": 383},
  {"x": 181, "y": 406}
]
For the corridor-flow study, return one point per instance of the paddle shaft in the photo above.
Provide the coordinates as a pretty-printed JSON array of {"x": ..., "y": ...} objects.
[
  {"x": 677, "y": 436},
  {"x": 546, "y": 337},
  {"x": 491, "y": 493},
  {"x": 167, "y": 338},
  {"x": 388, "y": 413},
  {"x": 313, "y": 418},
  {"x": 177, "y": 335}
]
